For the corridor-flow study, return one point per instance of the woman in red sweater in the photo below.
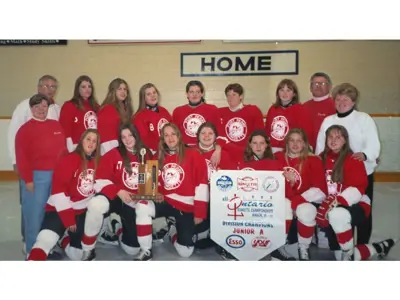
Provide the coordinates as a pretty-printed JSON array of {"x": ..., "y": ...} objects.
[
  {"x": 72, "y": 188},
  {"x": 287, "y": 112},
  {"x": 347, "y": 205},
  {"x": 116, "y": 109},
  {"x": 183, "y": 182},
  {"x": 305, "y": 173},
  {"x": 150, "y": 116},
  {"x": 79, "y": 113},
  {"x": 39, "y": 144},
  {"x": 116, "y": 181}
]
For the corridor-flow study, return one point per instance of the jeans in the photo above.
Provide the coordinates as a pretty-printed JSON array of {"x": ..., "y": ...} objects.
[
  {"x": 33, "y": 205},
  {"x": 22, "y": 214}
]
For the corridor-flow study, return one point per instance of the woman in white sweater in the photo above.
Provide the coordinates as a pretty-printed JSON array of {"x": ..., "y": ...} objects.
[{"x": 364, "y": 140}]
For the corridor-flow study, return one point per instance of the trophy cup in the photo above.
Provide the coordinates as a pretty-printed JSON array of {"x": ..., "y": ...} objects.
[{"x": 147, "y": 179}]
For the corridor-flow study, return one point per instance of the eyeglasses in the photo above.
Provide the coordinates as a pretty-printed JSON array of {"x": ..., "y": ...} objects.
[
  {"x": 319, "y": 83},
  {"x": 50, "y": 87}
]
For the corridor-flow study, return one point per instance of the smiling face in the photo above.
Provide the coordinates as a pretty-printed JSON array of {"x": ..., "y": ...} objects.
[
  {"x": 335, "y": 140},
  {"x": 296, "y": 144},
  {"x": 207, "y": 137},
  {"x": 128, "y": 139},
  {"x": 39, "y": 111},
  {"x": 170, "y": 137}
]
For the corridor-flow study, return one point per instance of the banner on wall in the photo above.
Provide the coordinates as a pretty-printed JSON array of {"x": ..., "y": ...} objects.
[
  {"x": 247, "y": 216},
  {"x": 32, "y": 42},
  {"x": 246, "y": 63}
]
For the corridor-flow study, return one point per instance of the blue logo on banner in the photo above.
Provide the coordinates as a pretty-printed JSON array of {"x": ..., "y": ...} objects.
[{"x": 224, "y": 183}]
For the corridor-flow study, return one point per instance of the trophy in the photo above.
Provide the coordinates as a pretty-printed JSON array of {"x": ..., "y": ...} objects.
[{"x": 147, "y": 179}]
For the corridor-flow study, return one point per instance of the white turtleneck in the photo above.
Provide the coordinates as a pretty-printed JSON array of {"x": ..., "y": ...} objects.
[{"x": 319, "y": 99}]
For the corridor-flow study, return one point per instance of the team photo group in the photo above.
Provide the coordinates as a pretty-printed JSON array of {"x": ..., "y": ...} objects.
[{"x": 79, "y": 164}]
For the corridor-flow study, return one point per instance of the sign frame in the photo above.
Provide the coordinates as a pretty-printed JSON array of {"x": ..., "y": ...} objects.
[{"x": 295, "y": 72}]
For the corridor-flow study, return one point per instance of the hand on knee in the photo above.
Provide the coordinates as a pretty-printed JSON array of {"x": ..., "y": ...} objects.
[
  {"x": 340, "y": 219},
  {"x": 98, "y": 204},
  {"x": 306, "y": 213}
]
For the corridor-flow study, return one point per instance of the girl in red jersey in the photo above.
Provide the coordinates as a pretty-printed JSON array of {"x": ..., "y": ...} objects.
[
  {"x": 115, "y": 182},
  {"x": 39, "y": 144},
  {"x": 116, "y": 109},
  {"x": 347, "y": 205},
  {"x": 71, "y": 191},
  {"x": 305, "y": 173},
  {"x": 79, "y": 113},
  {"x": 238, "y": 121},
  {"x": 287, "y": 112},
  {"x": 150, "y": 116},
  {"x": 184, "y": 184},
  {"x": 190, "y": 116}
]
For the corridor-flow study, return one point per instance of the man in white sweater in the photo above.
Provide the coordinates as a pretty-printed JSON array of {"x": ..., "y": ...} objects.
[
  {"x": 364, "y": 140},
  {"x": 47, "y": 85}
]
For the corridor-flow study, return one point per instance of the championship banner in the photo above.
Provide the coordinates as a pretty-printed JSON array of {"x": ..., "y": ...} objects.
[{"x": 248, "y": 212}]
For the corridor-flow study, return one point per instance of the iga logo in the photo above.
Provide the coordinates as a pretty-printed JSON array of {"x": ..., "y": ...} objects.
[
  {"x": 247, "y": 184},
  {"x": 260, "y": 242},
  {"x": 235, "y": 241},
  {"x": 224, "y": 183}
]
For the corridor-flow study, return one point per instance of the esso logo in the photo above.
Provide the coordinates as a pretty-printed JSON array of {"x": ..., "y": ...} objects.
[
  {"x": 235, "y": 241},
  {"x": 260, "y": 242}
]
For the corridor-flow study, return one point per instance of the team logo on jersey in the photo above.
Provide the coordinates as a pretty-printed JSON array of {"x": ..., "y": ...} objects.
[
  {"x": 236, "y": 129},
  {"x": 85, "y": 185},
  {"x": 279, "y": 128},
  {"x": 161, "y": 124},
  {"x": 296, "y": 174},
  {"x": 172, "y": 175},
  {"x": 90, "y": 120},
  {"x": 192, "y": 124},
  {"x": 131, "y": 181},
  {"x": 333, "y": 187},
  {"x": 211, "y": 169},
  {"x": 247, "y": 169}
]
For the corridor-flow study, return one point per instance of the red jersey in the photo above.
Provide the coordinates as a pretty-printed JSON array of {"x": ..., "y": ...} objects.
[
  {"x": 108, "y": 125},
  {"x": 71, "y": 188},
  {"x": 280, "y": 120},
  {"x": 319, "y": 110},
  {"x": 237, "y": 126},
  {"x": 354, "y": 185},
  {"x": 310, "y": 182},
  {"x": 39, "y": 145},
  {"x": 75, "y": 121},
  {"x": 188, "y": 119},
  {"x": 185, "y": 186},
  {"x": 111, "y": 175},
  {"x": 224, "y": 164},
  {"x": 149, "y": 124},
  {"x": 265, "y": 165}
]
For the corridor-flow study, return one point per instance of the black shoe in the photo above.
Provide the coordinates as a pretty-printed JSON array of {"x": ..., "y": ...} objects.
[
  {"x": 144, "y": 255},
  {"x": 108, "y": 238},
  {"x": 383, "y": 247},
  {"x": 227, "y": 256},
  {"x": 281, "y": 254},
  {"x": 89, "y": 255}
]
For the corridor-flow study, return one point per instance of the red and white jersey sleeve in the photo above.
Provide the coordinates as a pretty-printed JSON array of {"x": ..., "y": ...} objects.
[
  {"x": 112, "y": 176},
  {"x": 108, "y": 126},
  {"x": 75, "y": 121},
  {"x": 224, "y": 164},
  {"x": 185, "y": 186},
  {"x": 72, "y": 188},
  {"x": 310, "y": 183},
  {"x": 355, "y": 181},
  {"x": 149, "y": 124},
  {"x": 188, "y": 119}
]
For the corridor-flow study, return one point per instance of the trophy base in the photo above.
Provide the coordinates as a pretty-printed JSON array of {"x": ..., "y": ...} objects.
[{"x": 157, "y": 197}]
